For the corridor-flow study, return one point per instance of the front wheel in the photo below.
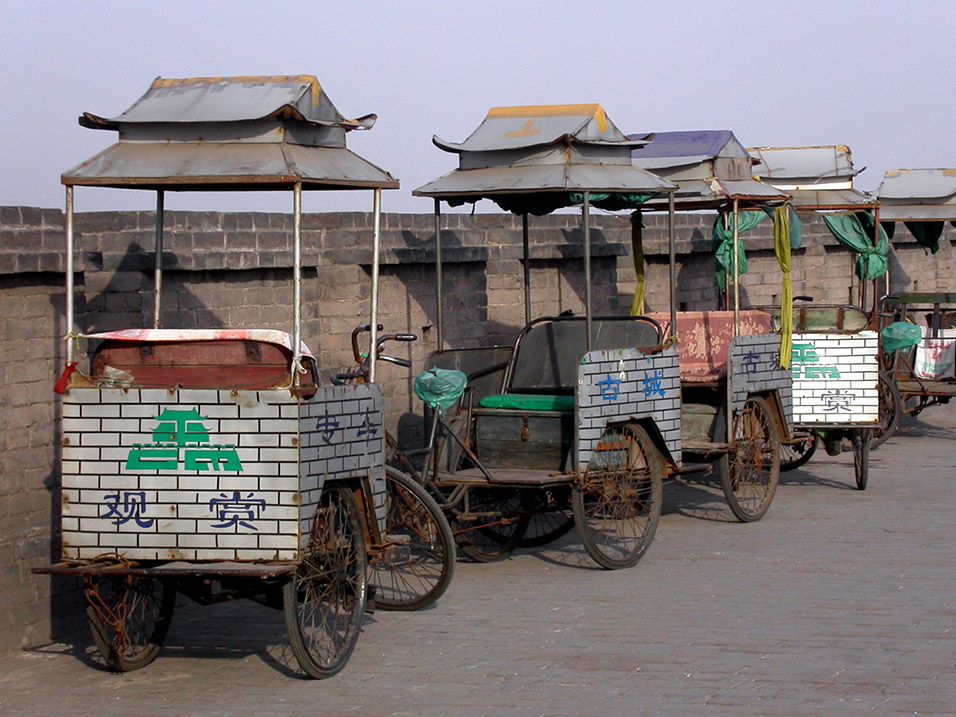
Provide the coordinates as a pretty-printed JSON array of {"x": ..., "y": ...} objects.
[
  {"x": 324, "y": 600},
  {"x": 617, "y": 503},
  {"x": 418, "y": 560},
  {"x": 129, "y": 618},
  {"x": 862, "y": 442},
  {"x": 750, "y": 469}
]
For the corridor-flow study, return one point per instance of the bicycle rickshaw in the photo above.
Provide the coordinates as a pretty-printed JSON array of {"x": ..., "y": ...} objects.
[
  {"x": 581, "y": 415},
  {"x": 921, "y": 375},
  {"x": 713, "y": 171},
  {"x": 835, "y": 352},
  {"x": 209, "y": 461}
]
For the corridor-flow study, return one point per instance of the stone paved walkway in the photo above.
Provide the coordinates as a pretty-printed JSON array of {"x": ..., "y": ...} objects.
[{"x": 837, "y": 601}]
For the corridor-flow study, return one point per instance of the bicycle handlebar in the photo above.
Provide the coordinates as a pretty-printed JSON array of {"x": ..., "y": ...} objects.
[{"x": 363, "y": 360}]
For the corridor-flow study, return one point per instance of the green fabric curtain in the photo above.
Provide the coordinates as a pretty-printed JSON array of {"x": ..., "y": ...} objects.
[
  {"x": 782, "y": 241},
  {"x": 855, "y": 231},
  {"x": 927, "y": 234},
  {"x": 723, "y": 241},
  {"x": 796, "y": 227},
  {"x": 637, "y": 252}
]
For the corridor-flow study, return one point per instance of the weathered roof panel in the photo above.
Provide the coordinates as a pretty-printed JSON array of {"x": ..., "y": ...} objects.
[
  {"x": 230, "y": 99},
  {"x": 833, "y": 199},
  {"x": 212, "y": 165},
  {"x": 686, "y": 144},
  {"x": 918, "y": 195},
  {"x": 489, "y": 181},
  {"x": 230, "y": 133},
  {"x": 918, "y": 184},
  {"x": 509, "y": 153},
  {"x": 801, "y": 165},
  {"x": 507, "y": 128},
  {"x": 710, "y": 167}
]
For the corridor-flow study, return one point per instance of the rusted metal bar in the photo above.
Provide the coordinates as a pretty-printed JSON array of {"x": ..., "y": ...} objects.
[
  {"x": 297, "y": 281},
  {"x": 439, "y": 319},
  {"x": 730, "y": 380},
  {"x": 158, "y": 270},
  {"x": 736, "y": 269},
  {"x": 376, "y": 258},
  {"x": 69, "y": 274},
  {"x": 672, "y": 260},
  {"x": 585, "y": 210},
  {"x": 526, "y": 244}
]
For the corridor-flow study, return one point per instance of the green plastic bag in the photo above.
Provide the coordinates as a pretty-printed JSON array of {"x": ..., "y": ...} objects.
[
  {"x": 900, "y": 335},
  {"x": 440, "y": 387}
]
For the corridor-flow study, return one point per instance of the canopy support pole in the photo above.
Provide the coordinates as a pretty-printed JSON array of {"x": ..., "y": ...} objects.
[
  {"x": 439, "y": 319},
  {"x": 730, "y": 377},
  {"x": 158, "y": 245},
  {"x": 526, "y": 245},
  {"x": 376, "y": 258},
  {"x": 296, "y": 282},
  {"x": 672, "y": 268},
  {"x": 886, "y": 275},
  {"x": 736, "y": 270},
  {"x": 69, "y": 274},
  {"x": 585, "y": 210}
]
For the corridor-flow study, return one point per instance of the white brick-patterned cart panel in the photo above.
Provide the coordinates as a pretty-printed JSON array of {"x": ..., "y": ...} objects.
[
  {"x": 835, "y": 378},
  {"x": 343, "y": 436},
  {"x": 755, "y": 368},
  {"x": 191, "y": 474},
  {"x": 618, "y": 384}
]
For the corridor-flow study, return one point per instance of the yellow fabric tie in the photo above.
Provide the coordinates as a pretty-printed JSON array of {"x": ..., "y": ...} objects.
[
  {"x": 781, "y": 247},
  {"x": 637, "y": 247}
]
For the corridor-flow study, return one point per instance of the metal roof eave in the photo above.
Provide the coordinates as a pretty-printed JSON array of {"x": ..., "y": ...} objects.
[
  {"x": 475, "y": 184},
  {"x": 205, "y": 166},
  {"x": 459, "y": 148},
  {"x": 917, "y": 212},
  {"x": 701, "y": 195},
  {"x": 832, "y": 200}
]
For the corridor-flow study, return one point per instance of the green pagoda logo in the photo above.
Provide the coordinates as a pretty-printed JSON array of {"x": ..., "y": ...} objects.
[
  {"x": 805, "y": 363},
  {"x": 181, "y": 439}
]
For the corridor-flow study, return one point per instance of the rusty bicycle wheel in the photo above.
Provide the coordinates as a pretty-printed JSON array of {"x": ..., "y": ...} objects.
[
  {"x": 750, "y": 469},
  {"x": 617, "y": 503},
  {"x": 128, "y": 618},
  {"x": 324, "y": 600}
]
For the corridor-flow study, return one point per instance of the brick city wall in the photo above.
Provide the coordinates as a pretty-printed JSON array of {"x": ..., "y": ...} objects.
[{"x": 235, "y": 270}]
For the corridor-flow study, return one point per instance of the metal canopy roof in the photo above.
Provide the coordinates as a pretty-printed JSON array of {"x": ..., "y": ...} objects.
[
  {"x": 815, "y": 177},
  {"x": 710, "y": 167},
  {"x": 236, "y": 133},
  {"x": 543, "y": 148},
  {"x": 918, "y": 195}
]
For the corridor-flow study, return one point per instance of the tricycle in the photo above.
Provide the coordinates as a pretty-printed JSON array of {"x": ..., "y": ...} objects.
[{"x": 210, "y": 462}]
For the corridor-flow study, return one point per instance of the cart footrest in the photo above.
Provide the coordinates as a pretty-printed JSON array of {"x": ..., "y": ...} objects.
[{"x": 172, "y": 569}]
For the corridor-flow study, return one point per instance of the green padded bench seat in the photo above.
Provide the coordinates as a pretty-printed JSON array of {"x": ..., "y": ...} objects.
[{"x": 528, "y": 402}]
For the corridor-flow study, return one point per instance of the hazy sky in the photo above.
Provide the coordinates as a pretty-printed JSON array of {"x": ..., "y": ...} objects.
[{"x": 878, "y": 76}]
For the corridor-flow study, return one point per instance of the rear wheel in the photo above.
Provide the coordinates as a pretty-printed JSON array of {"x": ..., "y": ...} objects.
[
  {"x": 491, "y": 524},
  {"x": 550, "y": 517},
  {"x": 890, "y": 408},
  {"x": 129, "y": 618},
  {"x": 324, "y": 600},
  {"x": 749, "y": 471},
  {"x": 418, "y": 561},
  {"x": 793, "y": 455},
  {"x": 617, "y": 504},
  {"x": 862, "y": 439}
]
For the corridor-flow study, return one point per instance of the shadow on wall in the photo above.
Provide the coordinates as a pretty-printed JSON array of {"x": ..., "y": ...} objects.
[{"x": 66, "y": 593}]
